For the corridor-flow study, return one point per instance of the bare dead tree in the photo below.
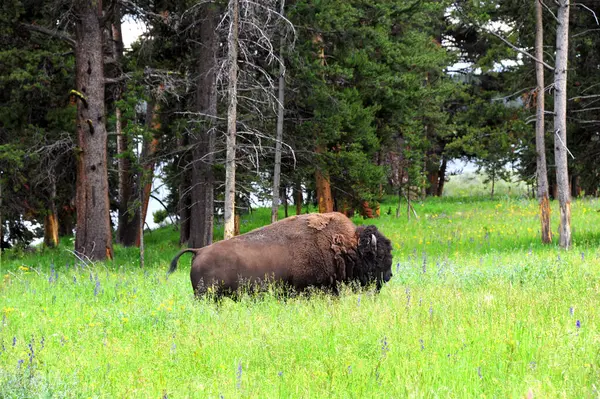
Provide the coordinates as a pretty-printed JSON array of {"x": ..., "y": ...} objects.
[
  {"x": 560, "y": 122},
  {"x": 540, "y": 145},
  {"x": 279, "y": 138},
  {"x": 232, "y": 58}
]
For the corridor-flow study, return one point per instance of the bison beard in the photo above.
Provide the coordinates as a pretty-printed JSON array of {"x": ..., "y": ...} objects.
[{"x": 319, "y": 250}]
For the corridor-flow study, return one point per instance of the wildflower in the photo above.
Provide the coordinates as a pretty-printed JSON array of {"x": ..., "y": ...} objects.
[
  {"x": 571, "y": 310},
  {"x": 422, "y": 344},
  {"x": 384, "y": 347},
  {"x": 31, "y": 353},
  {"x": 479, "y": 372},
  {"x": 14, "y": 341},
  {"x": 280, "y": 374},
  {"x": 23, "y": 268},
  {"x": 239, "y": 376},
  {"x": 578, "y": 324},
  {"x": 97, "y": 288},
  {"x": 20, "y": 363},
  {"x": 349, "y": 369}
]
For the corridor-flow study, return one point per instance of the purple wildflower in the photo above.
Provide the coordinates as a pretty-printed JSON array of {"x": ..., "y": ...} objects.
[
  {"x": 479, "y": 372},
  {"x": 582, "y": 256},
  {"x": 31, "y": 353},
  {"x": 97, "y": 288},
  {"x": 422, "y": 344},
  {"x": 571, "y": 310},
  {"x": 578, "y": 324},
  {"x": 424, "y": 263},
  {"x": 384, "y": 347},
  {"x": 238, "y": 375},
  {"x": 350, "y": 369},
  {"x": 280, "y": 374},
  {"x": 14, "y": 341},
  {"x": 20, "y": 363}
]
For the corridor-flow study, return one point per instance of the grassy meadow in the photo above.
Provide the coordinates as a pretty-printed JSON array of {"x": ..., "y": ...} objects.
[{"x": 477, "y": 308}]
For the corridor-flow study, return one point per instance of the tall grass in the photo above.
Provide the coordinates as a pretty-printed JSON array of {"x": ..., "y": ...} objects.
[{"x": 477, "y": 307}]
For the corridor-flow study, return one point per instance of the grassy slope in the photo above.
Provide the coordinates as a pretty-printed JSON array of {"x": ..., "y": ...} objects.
[{"x": 477, "y": 308}]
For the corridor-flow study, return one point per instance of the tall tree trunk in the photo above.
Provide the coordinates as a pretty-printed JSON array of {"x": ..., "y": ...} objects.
[
  {"x": 94, "y": 235},
  {"x": 232, "y": 42},
  {"x": 146, "y": 159},
  {"x": 298, "y": 196},
  {"x": 202, "y": 188},
  {"x": 322, "y": 183},
  {"x": 540, "y": 145},
  {"x": 127, "y": 223},
  {"x": 281, "y": 92},
  {"x": 560, "y": 123},
  {"x": 184, "y": 204}
]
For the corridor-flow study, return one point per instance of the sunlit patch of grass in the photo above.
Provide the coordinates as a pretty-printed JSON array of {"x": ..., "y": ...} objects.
[{"x": 477, "y": 307}]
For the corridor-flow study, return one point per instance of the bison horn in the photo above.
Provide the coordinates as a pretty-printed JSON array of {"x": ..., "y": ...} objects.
[{"x": 374, "y": 242}]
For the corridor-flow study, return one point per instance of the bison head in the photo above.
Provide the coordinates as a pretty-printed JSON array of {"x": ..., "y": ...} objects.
[{"x": 375, "y": 256}]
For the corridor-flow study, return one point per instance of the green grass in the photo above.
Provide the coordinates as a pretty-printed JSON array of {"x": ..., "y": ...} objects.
[{"x": 477, "y": 307}]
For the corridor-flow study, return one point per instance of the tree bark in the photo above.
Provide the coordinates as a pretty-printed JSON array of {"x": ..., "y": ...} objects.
[
  {"x": 94, "y": 235},
  {"x": 184, "y": 204},
  {"x": 298, "y": 196},
  {"x": 202, "y": 189},
  {"x": 280, "y": 108},
  {"x": 442, "y": 177},
  {"x": 232, "y": 41},
  {"x": 323, "y": 188},
  {"x": 560, "y": 123},
  {"x": 51, "y": 220},
  {"x": 540, "y": 145}
]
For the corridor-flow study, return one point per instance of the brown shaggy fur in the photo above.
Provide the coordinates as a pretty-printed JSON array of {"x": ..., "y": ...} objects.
[{"x": 318, "y": 250}]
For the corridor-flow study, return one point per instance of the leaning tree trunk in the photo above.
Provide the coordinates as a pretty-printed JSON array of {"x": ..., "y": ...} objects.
[
  {"x": 281, "y": 92},
  {"x": 232, "y": 42},
  {"x": 560, "y": 123},
  {"x": 202, "y": 187},
  {"x": 94, "y": 235},
  {"x": 540, "y": 145}
]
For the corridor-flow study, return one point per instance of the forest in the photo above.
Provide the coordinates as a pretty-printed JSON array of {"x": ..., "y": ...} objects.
[{"x": 331, "y": 103}]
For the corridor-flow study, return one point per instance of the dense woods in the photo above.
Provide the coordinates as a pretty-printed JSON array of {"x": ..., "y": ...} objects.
[{"x": 332, "y": 103}]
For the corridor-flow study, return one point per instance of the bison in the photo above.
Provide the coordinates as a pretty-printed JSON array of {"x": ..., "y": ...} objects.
[{"x": 319, "y": 250}]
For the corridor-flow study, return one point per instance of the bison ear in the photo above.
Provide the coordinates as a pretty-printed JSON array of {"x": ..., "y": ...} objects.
[{"x": 374, "y": 243}]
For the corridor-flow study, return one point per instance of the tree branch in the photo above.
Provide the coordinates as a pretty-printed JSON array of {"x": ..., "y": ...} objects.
[
  {"x": 518, "y": 49},
  {"x": 49, "y": 32}
]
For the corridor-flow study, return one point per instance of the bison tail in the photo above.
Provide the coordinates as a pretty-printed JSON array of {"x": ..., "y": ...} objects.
[{"x": 176, "y": 258}]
